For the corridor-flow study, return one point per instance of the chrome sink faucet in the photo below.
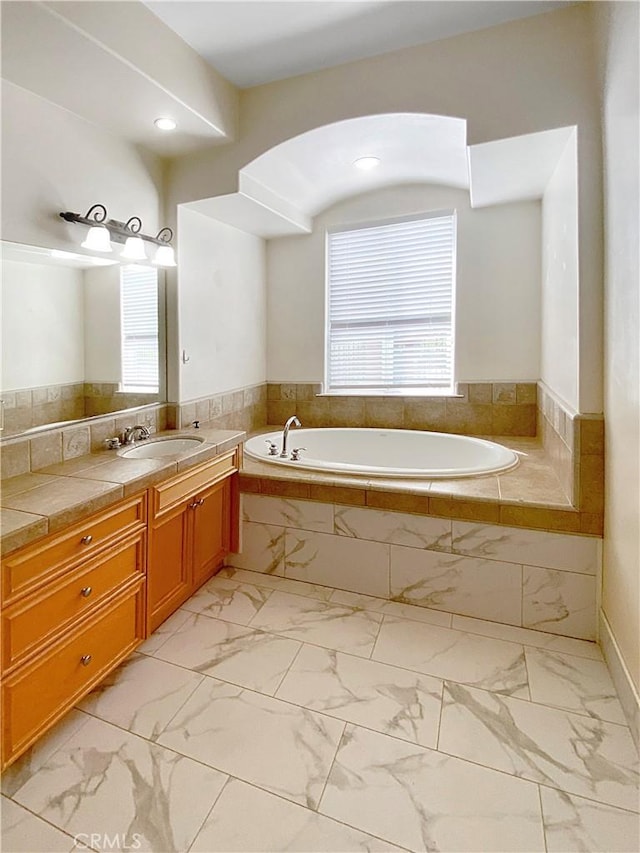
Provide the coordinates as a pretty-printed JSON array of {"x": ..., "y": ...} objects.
[
  {"x": 293, "y": 421},
  {"x": 130, "y": 434}
]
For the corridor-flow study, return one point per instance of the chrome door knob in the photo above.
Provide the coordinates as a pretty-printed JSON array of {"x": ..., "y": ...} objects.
[
  {"x": 85, "y": 660},
  {"x": 86, "y": 591},
  {"x": 87, "y": 540}
]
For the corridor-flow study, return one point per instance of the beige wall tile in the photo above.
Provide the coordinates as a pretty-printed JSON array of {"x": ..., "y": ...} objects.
[
  {"x": 14, "y": 459},
  {"x": 273, "y": 391},
  {"x": 469, "y": 418},
  {"x": 591, "y": 483},
  {"x": 504, "y": 393},
  {"x": 250, "y": 484},
  {"x": 337, "y": 494},
  {"x": 346, "y": 411},
  {"x": 470, "y": 510},
  {"x": 46, "y": 450},
  {"x": 427, "y": 414},
  {"x": 526, "y": 392},
  {"x": 279, "y": 411},
  {"x": 100, "y": 432},
  {"x": 75, "y": 442},
  {"x": 385, "y": 413},
  {"x": 541, "y": 518},
  {"x": 480, "y": 392},
  {"x": 203, "y": 413},
  {"x": 592, "y": 522},
  {"x": 398, "y": 501},
  {"x": 514, "y": 420},
  {"x": 591, "y": 436},
  {"x": 284, "y": 488}
]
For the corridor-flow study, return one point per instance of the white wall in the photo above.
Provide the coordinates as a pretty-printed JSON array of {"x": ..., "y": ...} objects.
[
  {"x": 619, "y": 28},
  {"x": 518, "y": 78},
  {"x": 42, "y": 325},
  {"x": 560, "y": 280},
  {"x": 102, "y": 320},
  {"x": 498, "y": 285},
  {"x": 53, "y": 161},
  {"x": 221, "y": 305}
]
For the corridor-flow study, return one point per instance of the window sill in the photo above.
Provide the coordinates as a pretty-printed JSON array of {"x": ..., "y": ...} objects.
[{"x": 404, "y": 392}]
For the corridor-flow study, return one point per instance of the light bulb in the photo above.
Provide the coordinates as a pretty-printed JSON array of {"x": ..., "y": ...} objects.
[
  {"x": 98, "y": 239},
  {"x": 134, "y": 249},
  {"x": 164, "y": 257}
]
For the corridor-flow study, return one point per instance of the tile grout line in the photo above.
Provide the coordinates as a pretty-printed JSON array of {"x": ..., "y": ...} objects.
[
  {"x": 208, "y": 814},
  {"x": 544, "y": 826}
]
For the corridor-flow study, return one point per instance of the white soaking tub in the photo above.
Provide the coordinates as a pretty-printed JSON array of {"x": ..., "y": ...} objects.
[{"x": 393, "y": 453}]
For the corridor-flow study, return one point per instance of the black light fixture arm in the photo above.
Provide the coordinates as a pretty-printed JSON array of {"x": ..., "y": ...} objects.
[{"x": 119, "y": 231}]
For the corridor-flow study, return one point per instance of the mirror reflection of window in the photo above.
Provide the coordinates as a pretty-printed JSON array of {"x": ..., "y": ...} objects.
[{"x": 139, "y": 329}]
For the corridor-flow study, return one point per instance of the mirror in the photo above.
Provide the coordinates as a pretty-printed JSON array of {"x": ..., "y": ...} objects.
[{"x": 81, "y": 336}]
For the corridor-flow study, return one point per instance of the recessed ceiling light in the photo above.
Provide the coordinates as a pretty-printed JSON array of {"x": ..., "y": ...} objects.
[
  {"x": 366, "y": 163},
  {"x": 165, "y": 124}
]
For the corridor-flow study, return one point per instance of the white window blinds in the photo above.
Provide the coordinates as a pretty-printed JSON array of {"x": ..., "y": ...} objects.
[
  {"x": 139, "y": 324},
  {"x": 390, "y": 305}
]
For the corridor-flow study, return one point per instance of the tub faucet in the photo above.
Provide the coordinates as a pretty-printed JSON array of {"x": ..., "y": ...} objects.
[
  {"x": 130, "y": 434},
  {"x": 293, "y": 421}
]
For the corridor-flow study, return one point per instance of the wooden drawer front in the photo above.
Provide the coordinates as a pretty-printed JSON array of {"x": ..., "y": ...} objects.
[
  {"x": 43, "y": 614},
  {"x": 193, "y": 481},
  {"x": 32, "y": 566},
  {"x": 35, "y": 696}
]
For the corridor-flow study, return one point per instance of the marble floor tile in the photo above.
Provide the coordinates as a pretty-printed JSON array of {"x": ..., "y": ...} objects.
[
  {"x": 559, "y": 602},
  {"x": 243, "y": 656},
  {"x": 423, "y": 800},
  {"x": 105, "y": 780},
  {"x": 574, "y": 684},
  {"x": 227, "y": 599},
  {"x": 445, "y": 653},
  {"x": 15, "y": 776},
  {"x": 577, "y": 754},
  {"x": 528, "y": 637},
  {"x": 533, "y": 547},
  {"x": 339, "y": 561},
  {"x": 322, "y": 593},
  {"x": 323, "y": 624},
  {"x": 397, "y": 528},
  {"x": 262, "y": 549},
  {"x": 163, "y": 632},
  {"x": 471, "y": 586},
  {"x": 275, "y": 825},
  {"x": 23, "y": 832},
  {"x": 288, "y": 512},
  {"x": 392, "y": 608},
  {"x": 575, "y": 825},
  {"x": 141, "y": 695},
  {"x": 374, "y": 695},
  {"x": 280, "y": 747}
]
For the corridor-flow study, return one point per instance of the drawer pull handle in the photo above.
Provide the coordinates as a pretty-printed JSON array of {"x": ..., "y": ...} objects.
[
  {"x": 200, "y": 502},
  {"x": 86, "y": 591},
  {"x": 87, "y": 540},
  {"x": 85, "y": 660}
]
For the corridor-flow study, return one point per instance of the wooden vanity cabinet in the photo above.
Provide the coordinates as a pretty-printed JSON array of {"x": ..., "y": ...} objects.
[
  {"x": 193, "y": 527},
  {"x": 73, "y": 607}
]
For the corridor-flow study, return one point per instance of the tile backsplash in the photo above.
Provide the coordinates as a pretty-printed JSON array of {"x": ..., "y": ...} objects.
[{"x": 479, "y": 408}]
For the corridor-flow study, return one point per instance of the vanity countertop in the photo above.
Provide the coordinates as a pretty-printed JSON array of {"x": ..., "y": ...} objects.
[{"x": 42, "y": 502}]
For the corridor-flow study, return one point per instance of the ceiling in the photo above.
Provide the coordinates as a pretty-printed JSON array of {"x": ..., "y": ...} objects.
[{"x": 257, "y": 41}]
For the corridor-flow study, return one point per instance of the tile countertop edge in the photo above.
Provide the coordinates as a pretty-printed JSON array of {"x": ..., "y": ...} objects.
[{"x": 36, "y": 525}]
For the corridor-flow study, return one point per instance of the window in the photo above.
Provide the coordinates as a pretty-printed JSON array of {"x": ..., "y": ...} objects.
[
  {"x": 390, "y": 306},
  {"x": 139, "y": 329}
]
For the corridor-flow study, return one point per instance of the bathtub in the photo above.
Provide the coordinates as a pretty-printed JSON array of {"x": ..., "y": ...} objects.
[{"x": 386, "y": 452}]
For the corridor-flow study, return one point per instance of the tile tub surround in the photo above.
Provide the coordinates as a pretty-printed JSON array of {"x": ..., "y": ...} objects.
[
  {"x": 478, "y": 408},
  {"x": 377, "y": 751},
  {"x": 530, "y": 495},
  {"x": 527, "y": 578},
  {"x": 575, "y": 446},
  {"x": 35, "y": 504}
]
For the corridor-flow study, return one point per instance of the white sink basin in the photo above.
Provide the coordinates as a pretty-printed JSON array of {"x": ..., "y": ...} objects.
[{"x": 162, "y": 447}]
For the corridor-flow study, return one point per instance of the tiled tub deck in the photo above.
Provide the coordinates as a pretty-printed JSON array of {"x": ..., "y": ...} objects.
[{"x": 465, "y": 547}]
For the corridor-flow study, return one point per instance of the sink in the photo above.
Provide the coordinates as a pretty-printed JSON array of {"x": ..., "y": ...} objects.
[{"x": 162, "y": 447}]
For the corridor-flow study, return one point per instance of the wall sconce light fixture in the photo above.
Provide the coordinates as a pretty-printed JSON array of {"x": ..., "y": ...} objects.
[{"x": 102, "y": 232}]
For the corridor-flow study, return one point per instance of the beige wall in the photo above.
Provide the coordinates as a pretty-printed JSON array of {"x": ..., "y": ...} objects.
[
  {"x": 518, "y": 78},
  {"x": 619, "y": 26},
  {"x": 497, "y": 285}
]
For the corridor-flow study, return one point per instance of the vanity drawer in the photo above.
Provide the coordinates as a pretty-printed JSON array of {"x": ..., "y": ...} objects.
[
  {"x": 30, "y": 567},
  {"x": 41, "y": 615},
  {"x": 35, "y": 696},
  {"x": 171, "y": 493}
]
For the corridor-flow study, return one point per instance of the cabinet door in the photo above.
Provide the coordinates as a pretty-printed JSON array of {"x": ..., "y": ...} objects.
[
  {"x": 211, "y": 531},
  {"x": 168, "y": 575}
]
